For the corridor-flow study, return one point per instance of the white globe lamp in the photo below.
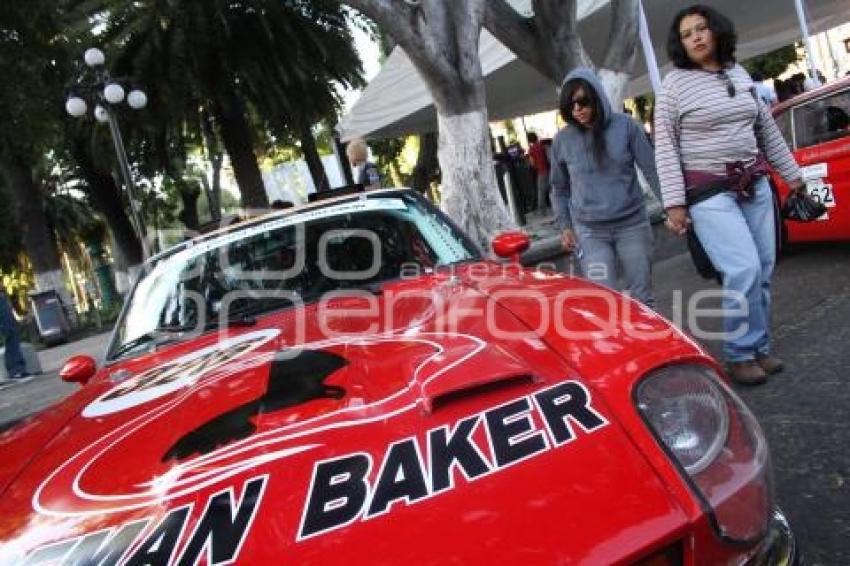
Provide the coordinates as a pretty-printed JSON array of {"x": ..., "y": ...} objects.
[
  {"x": 137, "y": 99},
  {"x": 101, "y": 114},
  {"x": 113, "y": 93},
  {"x": 76, "y": 106},
  {"x": 94, "y": 57}
]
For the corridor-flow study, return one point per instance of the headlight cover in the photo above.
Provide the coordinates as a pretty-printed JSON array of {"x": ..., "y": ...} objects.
[{"x": 716, "y": 442}]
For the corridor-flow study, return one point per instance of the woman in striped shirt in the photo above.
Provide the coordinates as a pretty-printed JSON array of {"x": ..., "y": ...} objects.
[{"x": 713, "y": 142}]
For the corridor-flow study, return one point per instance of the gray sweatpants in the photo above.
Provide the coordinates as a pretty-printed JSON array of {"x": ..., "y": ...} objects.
[{"x": 601, "y": 245}]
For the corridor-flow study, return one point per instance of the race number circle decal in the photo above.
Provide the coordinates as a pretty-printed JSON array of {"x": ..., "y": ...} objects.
[{"x": 175, "y": 374}]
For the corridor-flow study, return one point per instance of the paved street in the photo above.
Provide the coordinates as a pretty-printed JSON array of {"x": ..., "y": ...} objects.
[{"x": 805, "y": 411}]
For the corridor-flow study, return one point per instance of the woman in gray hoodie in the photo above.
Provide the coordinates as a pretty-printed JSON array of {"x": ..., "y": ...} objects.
[{"x": 598, "y": 202}]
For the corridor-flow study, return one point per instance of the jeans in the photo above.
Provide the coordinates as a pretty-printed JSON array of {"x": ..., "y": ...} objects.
[
  {"x": 15, "y": 364},
  {"x": 739, "y": 238},
  {"x": 602, "y": 244}
]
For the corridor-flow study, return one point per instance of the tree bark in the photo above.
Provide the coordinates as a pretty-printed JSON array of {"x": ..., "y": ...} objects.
[
  {"x": 426, "y": 163},
  {"x": 28, "y": 208},
  {"x": 549, "y": 40},
  {"x": 238, "y": 141},
  {"x": 106, "y": 198},
  {"x": 311, "y": 156},
  {"x": 189, "y": 194},
  {"x": 441, "y": 39}
]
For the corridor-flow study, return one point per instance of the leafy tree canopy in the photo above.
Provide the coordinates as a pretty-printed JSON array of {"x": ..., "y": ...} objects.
[
  {"x": 771, "y": 65},
  {"x": 33, "y": 62}
]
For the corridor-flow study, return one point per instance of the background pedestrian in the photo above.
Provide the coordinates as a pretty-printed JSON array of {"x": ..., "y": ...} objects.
[
  {"x": 16, "y": 367},
  {"x": 365, "y": 172},
  {"x": 540, "y": 163},
  {"x": 765, "y": 92}
]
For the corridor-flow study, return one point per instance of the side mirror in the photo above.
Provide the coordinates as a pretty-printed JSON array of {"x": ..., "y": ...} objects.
[
  {"x": 510, "y": 245},
  {"x": 78, "y": 369}
]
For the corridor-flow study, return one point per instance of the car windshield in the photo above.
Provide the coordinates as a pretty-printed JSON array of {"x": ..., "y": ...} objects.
[{"x": 284, "y": 261}]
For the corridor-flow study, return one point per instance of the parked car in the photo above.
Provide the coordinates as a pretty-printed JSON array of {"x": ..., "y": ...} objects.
[
  {"x": 816, "y": 125},
  {"x": 351, "y": 381}
]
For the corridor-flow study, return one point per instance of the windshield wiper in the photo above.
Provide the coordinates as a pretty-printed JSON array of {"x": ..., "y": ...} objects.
[
  {"x": 154, "y": 338},
  {"x": 257, "y": 305},
  {"x": 237, "y": 319},
  {"x": 167, "y": 334}
]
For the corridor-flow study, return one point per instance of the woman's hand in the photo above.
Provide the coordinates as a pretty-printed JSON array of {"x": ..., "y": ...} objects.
[
  {"x": 797, "y": 186},
  {"x": 569, "y": 241},
  {"x": 677, "y": 220}
]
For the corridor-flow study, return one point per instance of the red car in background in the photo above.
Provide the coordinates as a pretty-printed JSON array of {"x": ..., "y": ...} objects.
[
  {"x": 816, "y": 125},
  {"x": 352, "y": 382}
]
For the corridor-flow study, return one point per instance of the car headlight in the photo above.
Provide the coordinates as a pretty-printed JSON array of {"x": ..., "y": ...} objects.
[{"x": 716, "y": 442}]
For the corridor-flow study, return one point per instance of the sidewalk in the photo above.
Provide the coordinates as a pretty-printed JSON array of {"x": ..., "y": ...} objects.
[{"x": 18, "y": 400}]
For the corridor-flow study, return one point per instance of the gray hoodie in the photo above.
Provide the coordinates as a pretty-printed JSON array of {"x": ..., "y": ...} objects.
[{"x": 608, "y": 192}]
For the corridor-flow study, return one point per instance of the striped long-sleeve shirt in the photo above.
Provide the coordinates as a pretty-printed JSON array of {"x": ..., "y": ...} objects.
[{"x": 699, "y": 127}]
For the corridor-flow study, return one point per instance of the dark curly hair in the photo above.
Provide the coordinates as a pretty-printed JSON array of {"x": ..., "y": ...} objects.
[
  {"x": 597, "y": 128},
  {"x": 721, "y": 28}
]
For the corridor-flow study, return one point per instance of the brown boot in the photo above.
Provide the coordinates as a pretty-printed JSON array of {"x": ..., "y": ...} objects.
[
  {"x": 747, "y": 373},
  {"x": 769, "y": 363}
]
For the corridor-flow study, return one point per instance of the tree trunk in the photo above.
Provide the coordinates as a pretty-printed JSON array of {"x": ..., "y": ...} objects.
[
  {"x": 189, "y": 194},
  {"x": 339, "y": 151},
  {"x": 441, "y": 39},
  {"x": 619, "y": 59},
  {"x": 426, "y": 163},
  {"x": 311, "y": 156},
  {"x": 28, "y": 210},
  {"x": 106, "y": 198},
  {"x": 470, "y": 194},
  {"x": 614, "y": 83},
  {"x": 238, "y": 141}
]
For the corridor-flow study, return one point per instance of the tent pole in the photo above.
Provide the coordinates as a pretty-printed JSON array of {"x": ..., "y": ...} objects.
[
  {"x": 833, "y": 59},
  {"x": 648, "y": 51},
  {"x": 804, "y": 29}
]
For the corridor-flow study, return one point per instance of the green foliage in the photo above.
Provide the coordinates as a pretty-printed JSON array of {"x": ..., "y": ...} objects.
[
  {"x": 73, "y": 222},
  {"x": 33, "y": 60},
  {"x": 387, "y": 154},
  {"x": 18, "y": 280},
  {"x": 771, "y": 65},
  {"x": 97, "y": 318},
  {"x": 283, "y": 58},
  {"x": 644, "y": 107}
]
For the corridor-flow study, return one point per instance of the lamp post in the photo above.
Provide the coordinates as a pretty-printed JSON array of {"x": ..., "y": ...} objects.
[{"x": 106, "y": 93}]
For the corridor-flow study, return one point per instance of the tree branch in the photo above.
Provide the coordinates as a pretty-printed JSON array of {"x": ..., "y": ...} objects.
[
  {"x": 622, "y": 45},
  {"x": 560, "y": 25},
  {"x": 392, "y": 15},
  {"x": 517, "y": 32}
]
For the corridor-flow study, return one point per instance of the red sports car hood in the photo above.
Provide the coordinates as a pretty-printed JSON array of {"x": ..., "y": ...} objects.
[{"x": 421, "y": 423}]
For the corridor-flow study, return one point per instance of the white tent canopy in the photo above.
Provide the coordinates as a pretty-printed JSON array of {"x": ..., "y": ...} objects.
[{"x": 397, "y": 102}]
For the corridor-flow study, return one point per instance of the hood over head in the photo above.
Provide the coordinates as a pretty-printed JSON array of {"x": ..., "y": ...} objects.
[{"x": 594, "y": 82}]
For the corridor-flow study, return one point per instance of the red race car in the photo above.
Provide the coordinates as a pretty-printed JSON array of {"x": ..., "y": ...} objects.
[
  {"x": 816, "y": 125},
  {"x": 352, "y": 382}
]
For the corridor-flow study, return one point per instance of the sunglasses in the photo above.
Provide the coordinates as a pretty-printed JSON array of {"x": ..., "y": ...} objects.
[
  {"x": 581, "y": 102},
  {"x": 730, "y": 86}
]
